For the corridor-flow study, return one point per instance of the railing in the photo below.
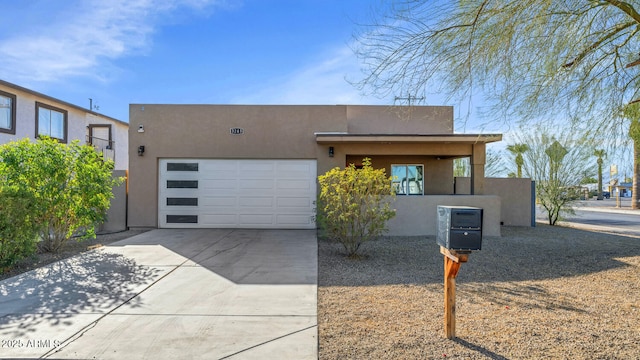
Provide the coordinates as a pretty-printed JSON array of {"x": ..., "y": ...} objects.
[{"x": 104, "y": 146}]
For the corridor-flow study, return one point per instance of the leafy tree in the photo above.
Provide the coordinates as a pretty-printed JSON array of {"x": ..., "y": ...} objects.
[
  {"x": 517, "y": 150},
  {"x": 494, "y": 165},
  {"x": 67, "y": 187},
  {"x": 527, "y": 59},
  {"x": 599, "y": 153},
  {"x": 355, "y": 204},
  {"x": 556, "y": 162}
]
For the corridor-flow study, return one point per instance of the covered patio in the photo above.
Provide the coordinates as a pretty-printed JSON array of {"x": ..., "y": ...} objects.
[{"x": 429, "y": 182}]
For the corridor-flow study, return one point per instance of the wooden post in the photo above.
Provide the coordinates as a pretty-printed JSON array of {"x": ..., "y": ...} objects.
[{"x": 452, "y": 261}]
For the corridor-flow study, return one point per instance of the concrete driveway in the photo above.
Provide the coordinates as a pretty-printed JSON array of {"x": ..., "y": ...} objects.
[{"x": 165, "y": 294}]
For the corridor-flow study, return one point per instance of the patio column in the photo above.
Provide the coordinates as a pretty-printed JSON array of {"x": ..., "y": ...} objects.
[{"x": 477, "y": 168}]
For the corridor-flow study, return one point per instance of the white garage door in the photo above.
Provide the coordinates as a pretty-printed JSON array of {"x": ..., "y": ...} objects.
[{"x": 215, "y": 193}]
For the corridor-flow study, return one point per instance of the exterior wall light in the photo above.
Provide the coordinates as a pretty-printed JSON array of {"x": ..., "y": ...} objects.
[
  {"x": 141, "y": 128},
  {"x": 140, "y": 150},
  {"x": 331, "y": 152}
]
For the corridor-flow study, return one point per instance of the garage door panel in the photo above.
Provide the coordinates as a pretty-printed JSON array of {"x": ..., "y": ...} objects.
[
  {"x": 219, "y": 184},
  {"x": 294, "y": 185},
  {"x": 182, "y": 192},
  {"x": 299, "y": 220},
  {"x": 256, "y": 166},
  {"x": 296, "y": 202},
  {"x": 250, "y": 184},
  {"x": 181, "y": 175},
  {"x": 218, "y": 165},
  {"x": 256, "y": 219},
  {"x": 219, "y": 201},
  {"x": 239, "y": 193},
  {"x": 221, "y": 219},
  {"x": 255, "y": 201}
]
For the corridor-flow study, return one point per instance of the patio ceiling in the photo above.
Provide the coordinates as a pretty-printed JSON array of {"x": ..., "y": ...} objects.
[{"x": 346, "y": 138}]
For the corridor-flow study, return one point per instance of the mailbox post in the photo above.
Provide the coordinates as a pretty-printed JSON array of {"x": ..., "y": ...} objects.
[{"x": 459, "y": 233}]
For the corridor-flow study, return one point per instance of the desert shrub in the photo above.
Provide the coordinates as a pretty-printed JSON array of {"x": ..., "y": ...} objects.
[
  {"x": 355, "y": 204},
  {"x": 67, "y": 188}
]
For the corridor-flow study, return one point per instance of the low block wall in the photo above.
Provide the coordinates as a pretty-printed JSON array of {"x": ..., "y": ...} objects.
[
  {"x": 417, "y": 215},
  {"x": 515, "y": 195}
]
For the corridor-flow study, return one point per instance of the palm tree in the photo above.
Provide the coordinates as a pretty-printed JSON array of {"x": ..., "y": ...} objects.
[
  {"x": 599, "y": 153},
  {"x": 518, "y": 150}
]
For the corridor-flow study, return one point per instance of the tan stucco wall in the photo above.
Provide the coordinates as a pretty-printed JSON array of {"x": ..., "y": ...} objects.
[
  {"x": 417, "y": 215},
  {"x": 365, "y": 119},
  {"x": 276, "y": 132},
  {"x": 515, "y": 195}
]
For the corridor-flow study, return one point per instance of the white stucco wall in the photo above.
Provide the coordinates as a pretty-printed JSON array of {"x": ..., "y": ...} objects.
[{"x": 78, "y": 120}]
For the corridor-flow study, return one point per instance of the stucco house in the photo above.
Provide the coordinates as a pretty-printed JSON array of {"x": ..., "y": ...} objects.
[
  {"x": 25, "y": 113},
  {"x": 256, "y": 166}
]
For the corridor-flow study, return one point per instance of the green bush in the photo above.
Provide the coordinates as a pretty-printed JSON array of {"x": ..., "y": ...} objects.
[
  {"x": 355, "y": 204},
  {"x": 18, "y": 235},
  {"x": 66, "y": 187}
]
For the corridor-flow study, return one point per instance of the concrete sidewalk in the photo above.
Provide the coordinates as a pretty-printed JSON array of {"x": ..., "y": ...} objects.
[
  {"x": 609, "y": 209},
  {"x": 607, "y": 205},
  {"x": 198, "y": 294}
]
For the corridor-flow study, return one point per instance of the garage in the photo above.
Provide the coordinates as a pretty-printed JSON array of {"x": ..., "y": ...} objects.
[{"x": 232, "y": 193}]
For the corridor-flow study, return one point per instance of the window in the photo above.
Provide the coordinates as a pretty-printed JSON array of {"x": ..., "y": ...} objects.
[
  {"x": 51, "y": 121},
  {"x": 7, "y": 113},
  {"x": 182, "y": 184},
  {"x": 182, "y": 166},
  {"x": 172, "y": 201},
  {"x": 407, "y": 179},
  {"x": 100, "y": 136},
  {"x": 182, "y": 219}
]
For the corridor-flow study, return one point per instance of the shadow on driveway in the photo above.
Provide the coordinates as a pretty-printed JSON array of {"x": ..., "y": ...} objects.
[{"x": 92, "y": 284}]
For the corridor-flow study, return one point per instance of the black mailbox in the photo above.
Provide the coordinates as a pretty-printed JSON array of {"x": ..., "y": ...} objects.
[{"x": 459, "y": 227}]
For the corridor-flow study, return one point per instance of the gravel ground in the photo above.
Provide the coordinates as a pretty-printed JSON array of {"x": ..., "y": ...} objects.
[
  {"x": 71, "y": 248},
  {"x": 534, "y": 293}
]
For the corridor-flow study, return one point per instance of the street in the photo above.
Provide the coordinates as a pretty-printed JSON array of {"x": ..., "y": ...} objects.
[{"x": 601, "y": 215}]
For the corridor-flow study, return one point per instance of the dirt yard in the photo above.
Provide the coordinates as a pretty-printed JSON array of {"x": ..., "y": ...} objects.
[{"x": 534, "y": 293}]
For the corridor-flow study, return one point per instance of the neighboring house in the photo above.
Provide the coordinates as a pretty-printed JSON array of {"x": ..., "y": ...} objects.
[
  {"x": 622, "y": 189},
  {"x": 256, "y": 166},
  {"x": 26, "y": 113},
  {"x": 29, "y": 114}
]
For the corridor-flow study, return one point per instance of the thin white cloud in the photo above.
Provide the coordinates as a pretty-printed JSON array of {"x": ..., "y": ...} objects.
[
  {"x": 83, "y": 37},
  {"x": 321, "y": 82}
]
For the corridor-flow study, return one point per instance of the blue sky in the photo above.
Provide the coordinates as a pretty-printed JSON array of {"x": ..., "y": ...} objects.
[{"x": 119, "y": 52}]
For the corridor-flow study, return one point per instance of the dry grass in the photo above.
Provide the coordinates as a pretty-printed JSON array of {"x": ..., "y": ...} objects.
[{"x": 534, "y": 293}]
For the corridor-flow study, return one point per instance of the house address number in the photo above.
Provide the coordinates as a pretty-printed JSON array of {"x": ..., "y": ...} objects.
[{"x": 236, "y": 131}]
